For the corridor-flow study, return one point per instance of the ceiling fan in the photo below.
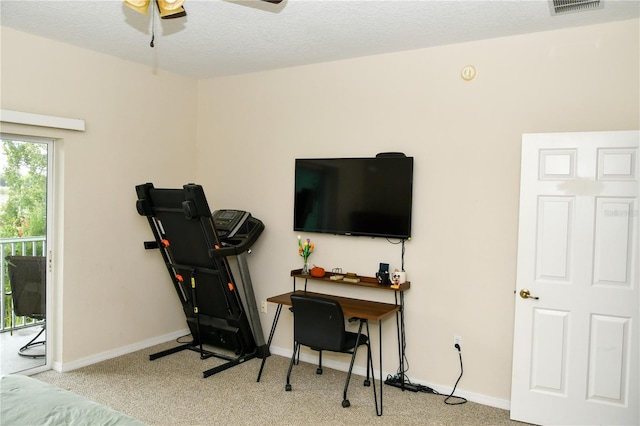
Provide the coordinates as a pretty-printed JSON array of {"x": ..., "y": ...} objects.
[{"x": 169, "y": 9}]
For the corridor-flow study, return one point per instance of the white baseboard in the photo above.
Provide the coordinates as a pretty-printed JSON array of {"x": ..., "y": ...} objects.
[
  {"x": 83, "y": 362},
  {"x": 443, "y": 390}
]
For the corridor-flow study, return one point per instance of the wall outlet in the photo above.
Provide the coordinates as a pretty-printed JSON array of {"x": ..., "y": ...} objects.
[
  {"x": 457, "y": 340},
  {"x": 263, "y": 306}
]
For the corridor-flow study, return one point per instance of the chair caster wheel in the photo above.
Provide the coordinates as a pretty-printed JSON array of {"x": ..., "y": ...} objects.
[
  {"x": 287, "y": 388},
  {"x": 346, "y": 403},
  {"x": 319, "y": 371},
  {"x": 367, "y": 382}
]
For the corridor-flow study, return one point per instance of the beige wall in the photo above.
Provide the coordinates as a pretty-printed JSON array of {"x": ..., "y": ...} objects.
[
  {"x": 239, "y": 136},
  {"x": 465, "y": 137},
  {"x": 140, "y": 127}
]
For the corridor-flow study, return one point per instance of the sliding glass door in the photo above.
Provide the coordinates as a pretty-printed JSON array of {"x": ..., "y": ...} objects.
[{"x": 25, "y": 215}]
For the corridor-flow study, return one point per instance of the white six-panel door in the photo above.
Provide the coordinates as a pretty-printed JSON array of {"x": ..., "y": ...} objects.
[{"x": 576, "y": 340}]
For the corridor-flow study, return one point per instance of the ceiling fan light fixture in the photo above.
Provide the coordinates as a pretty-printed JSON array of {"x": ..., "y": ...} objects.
[
  {"x": 170, "y": 4},
  {"x": 141, "y": 6},
  {"x": 170, "y": 9}
]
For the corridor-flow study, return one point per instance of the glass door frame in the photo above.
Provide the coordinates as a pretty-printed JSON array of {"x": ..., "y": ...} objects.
[{"x": 50, "y": 311}]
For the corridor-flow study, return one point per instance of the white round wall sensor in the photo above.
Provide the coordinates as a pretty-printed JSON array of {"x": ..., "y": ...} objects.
[{"x": 468, "y": 73}]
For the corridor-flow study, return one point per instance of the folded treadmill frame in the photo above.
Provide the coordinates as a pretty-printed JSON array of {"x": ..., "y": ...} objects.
[{"x": 196, "y": 259}]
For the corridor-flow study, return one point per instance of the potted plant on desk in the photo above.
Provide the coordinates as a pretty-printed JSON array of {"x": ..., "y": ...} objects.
[{"x": 305, "y": 248}]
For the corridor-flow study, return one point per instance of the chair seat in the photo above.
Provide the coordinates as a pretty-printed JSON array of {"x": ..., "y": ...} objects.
[{"x": 352, "y": 340}]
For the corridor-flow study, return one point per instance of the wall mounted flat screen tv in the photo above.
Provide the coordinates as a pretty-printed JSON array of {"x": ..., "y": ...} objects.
[{"x": 354, "y": 196}]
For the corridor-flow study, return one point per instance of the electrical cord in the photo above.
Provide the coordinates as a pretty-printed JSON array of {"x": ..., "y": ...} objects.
[
  {"x": 179, "y": 339},
  {"x": 405, "y": 360},
  {"x": 403, "y": 380},
  {"x": 402, "y": 241},
  {"x": 403, "y": 374},
  {"x": 460, "y": 400}
]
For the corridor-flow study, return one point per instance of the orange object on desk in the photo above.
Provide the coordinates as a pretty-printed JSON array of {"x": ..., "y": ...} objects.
[{"x": 317, "y": 272}]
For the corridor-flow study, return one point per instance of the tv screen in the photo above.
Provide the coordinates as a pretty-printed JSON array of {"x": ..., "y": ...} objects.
[{"x": 354, "y": 196}]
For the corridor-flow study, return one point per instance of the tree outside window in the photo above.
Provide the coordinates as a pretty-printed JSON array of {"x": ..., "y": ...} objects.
[{"x": 23, "y": 187}]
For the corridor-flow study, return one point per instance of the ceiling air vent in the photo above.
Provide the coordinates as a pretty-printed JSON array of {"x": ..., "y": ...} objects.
[{"x": 560, "y": 7}]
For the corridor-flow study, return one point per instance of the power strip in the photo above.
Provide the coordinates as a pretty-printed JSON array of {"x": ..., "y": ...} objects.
[{"x": 396, "y": 383}]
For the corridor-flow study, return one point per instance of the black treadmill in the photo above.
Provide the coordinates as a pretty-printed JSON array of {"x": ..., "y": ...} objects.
[{"x": 195, "y": 245}]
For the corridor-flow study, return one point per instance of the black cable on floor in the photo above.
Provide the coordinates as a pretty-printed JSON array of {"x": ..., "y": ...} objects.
[
  {"x": 179, "y": 339},
  {"x": 400, "y": 381},
  {"x": 460, "y": 399}
]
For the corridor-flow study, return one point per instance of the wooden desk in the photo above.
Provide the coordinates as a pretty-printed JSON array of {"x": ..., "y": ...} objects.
[
  {"x": 375, "y": 311},
  {"x": 369, "y": 283},
  {"x": 366, "y": 309}
]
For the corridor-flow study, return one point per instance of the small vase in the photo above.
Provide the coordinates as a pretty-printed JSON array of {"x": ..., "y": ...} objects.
[{"x": 306, "y": 270}]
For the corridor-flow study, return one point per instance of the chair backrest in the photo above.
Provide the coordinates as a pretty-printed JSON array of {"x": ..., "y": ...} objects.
[
  {"x": 318, "y": 322},
  {"x": 28, "y": 289}
]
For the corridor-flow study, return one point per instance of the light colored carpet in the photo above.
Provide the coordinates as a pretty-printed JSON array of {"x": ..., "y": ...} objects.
[{"x": 172, "y": 391}]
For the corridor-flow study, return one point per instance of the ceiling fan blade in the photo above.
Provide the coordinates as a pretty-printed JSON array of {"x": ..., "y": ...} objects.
[
  {"x": 141, "y": 6},
  {"x": 273, "y": 1}
]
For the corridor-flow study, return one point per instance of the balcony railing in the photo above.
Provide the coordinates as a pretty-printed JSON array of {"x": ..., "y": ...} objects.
[{"x": 29, "y": 246}]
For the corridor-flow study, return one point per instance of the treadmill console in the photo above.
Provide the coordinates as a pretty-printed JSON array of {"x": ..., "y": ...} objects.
[
  {"x": 229, "y": 222},
  {"x": 237, "y": 230}
]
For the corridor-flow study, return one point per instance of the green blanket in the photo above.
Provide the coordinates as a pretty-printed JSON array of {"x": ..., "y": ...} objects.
[{"x": 25, "y": 402}]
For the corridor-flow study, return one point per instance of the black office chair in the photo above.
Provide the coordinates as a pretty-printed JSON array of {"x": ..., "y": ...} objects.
[
  {"x": 28, "y": 290},
  {"x": 319, "y": 323}
]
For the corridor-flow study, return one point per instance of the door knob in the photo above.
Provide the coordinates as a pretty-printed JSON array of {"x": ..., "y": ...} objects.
[{"x": 526, "y": 294}]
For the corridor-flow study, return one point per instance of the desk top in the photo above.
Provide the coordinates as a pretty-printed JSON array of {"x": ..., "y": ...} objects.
[
  {"x": 367, "y": 309},
  {"x": 369, "y": 282}
]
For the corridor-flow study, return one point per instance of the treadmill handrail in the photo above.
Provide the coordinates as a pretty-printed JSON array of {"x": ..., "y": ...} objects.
[{"x": 247, "y": 241}]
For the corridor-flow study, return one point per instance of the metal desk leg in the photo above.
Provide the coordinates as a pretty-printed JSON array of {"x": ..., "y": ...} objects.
[
  {"x": 381, "y": 380},
  {"x": 273, "y": 330},
  {"x": 369, "y": 367},
  {"x": 401, "y": 337}
]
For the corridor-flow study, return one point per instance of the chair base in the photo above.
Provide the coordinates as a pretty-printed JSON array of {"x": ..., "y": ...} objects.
[
  {"x": 32, "y": 343},
  {"x": 367, "y": 382}
]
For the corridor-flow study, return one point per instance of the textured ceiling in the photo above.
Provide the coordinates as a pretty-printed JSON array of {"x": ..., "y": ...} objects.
[{"x": 224, "y": 37}]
